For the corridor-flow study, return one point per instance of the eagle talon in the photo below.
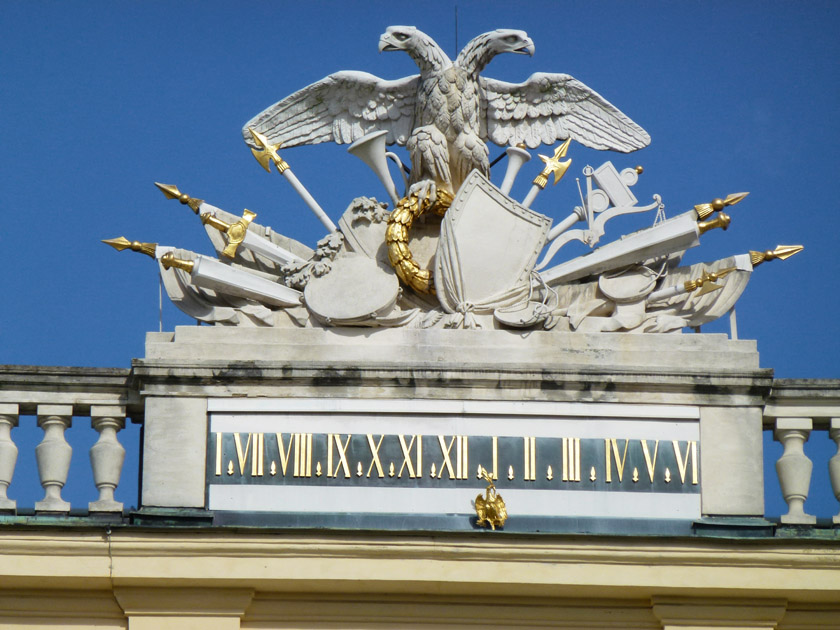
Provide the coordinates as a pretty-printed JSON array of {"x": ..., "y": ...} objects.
[{"x": 425, "y": 191}]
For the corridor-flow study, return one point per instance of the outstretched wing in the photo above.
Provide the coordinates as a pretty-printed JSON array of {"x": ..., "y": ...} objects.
[
  {"x": 340, "y": 108},
  {"x": 551, "y": 107}
]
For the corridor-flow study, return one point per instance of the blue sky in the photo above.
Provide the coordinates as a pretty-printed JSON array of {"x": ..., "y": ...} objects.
[{"x": 100, "y": 99}]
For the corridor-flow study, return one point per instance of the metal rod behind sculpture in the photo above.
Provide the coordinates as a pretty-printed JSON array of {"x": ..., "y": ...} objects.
[{"x": 265, "y": 154}]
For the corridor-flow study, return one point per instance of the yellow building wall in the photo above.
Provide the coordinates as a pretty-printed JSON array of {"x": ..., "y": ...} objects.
[{"x": 226, "y": 579}]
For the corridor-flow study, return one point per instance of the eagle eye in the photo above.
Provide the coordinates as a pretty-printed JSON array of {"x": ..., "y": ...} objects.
[
  {"x": 401, "y": 37},
  {"x": 512, "y": 39}
]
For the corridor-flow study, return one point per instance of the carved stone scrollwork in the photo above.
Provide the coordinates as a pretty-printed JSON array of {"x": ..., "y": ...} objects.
[{"x": 794, "y": 468}]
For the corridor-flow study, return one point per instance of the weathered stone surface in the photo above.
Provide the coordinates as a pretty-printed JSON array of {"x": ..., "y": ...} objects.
[
  {"x": 731, "y": 461},
  {"x": 174, "y": 443},
  {"x": 709, "y": 354}
]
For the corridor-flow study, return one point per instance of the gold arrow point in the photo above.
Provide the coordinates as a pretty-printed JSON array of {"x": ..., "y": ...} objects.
[
  {"x": 122, "y": 243},
  {"x": 170, "y": 191},
  {"x": 119, "y": 244},
  {"x": 734, "y": 198},
  {"x": 782, "y": 252}
]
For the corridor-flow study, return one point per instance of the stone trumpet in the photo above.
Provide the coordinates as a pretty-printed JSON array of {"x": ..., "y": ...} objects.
[
  {"x": 371, "y": 150},
  {"x": 517, "y": 157}
]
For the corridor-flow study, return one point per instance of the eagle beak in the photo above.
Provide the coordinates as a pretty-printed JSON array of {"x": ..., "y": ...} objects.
[
  {"x": 384, "y": 44},
  {"x": 528, "y": 49}
]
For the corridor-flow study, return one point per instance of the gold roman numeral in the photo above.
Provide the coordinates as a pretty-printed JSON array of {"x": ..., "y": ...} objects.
[
  {"x": 341, "y": 450},
  {"x": 651, "y": 464},
  {"x": 571, "y": 459},
  {"x": 413, "y": 472},
  {"x": 530, "y": 456},
  {"x": 461, "y": 444},
  {"x": 619, "y": 461},
  {"x": 299, "y": 450},
  {"x": 374, "y": 453},
  {"x": 682, "y": 462},
  {"x": 257, "y": 441}
]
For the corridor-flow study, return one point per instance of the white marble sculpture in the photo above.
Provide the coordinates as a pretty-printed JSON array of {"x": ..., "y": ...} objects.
[
  {"x": 446, "y": 114},
  {"x": 489, "y": 261}
]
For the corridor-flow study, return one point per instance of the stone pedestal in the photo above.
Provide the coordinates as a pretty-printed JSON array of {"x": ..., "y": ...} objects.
[{"x": 215, "y": 396}]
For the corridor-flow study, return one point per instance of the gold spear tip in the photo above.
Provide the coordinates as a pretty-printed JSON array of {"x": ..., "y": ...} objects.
[
  {"x": 259, "y": 139},
  {"x": 123, "y": 243},
  {"x": 171, "y": 191},
  {"x": 554, "y": 165},
  {"x": 719, "y": 204},
  {"x": 261, "y": 152},
  {"x": 562, "y": 149},
  {"x": 265, "y": 152},
  {"x": 782, "y": 252}
]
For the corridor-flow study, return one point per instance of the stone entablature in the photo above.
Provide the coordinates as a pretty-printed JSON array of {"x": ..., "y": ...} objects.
[{"x": 227, "y": 579}]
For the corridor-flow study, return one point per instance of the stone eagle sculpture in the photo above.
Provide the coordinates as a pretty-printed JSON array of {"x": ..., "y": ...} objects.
[{"x": 446, "y": 115}]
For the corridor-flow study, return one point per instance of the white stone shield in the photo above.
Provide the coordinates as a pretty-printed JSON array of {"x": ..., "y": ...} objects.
[{"x": 487, "y": 249}]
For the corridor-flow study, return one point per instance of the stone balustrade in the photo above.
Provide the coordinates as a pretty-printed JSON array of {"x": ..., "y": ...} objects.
[
  {"x": 795, "y": 410},
  {"x": 56, "y": 397}
]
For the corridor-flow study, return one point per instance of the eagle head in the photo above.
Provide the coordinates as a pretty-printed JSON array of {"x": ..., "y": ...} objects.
[
  {"x": 398, "y": 38},
  {"x": 504, "y": 40}
]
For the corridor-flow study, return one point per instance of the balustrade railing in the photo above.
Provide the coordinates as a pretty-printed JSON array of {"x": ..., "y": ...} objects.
[
  {"x": 56, "y": 397},
  {"x": 798, "y": 411}
]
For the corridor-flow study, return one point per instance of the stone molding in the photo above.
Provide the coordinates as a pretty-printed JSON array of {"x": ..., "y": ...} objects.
[
  {"x": 688, "y": 612},
  {"x": 223, "y": 578}
]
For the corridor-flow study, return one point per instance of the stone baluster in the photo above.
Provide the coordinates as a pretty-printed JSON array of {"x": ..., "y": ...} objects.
[
  {"x": 834, "y": 463},
  {"x": 53, "y": 456},
  {"x": 794, "y": 468},
  {"x": 8, "y": 453},
  {"x": 107, "y": 456}
]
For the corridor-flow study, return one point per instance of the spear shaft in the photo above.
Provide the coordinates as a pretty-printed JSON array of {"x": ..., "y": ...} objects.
[{"x": 266, "y": 153}]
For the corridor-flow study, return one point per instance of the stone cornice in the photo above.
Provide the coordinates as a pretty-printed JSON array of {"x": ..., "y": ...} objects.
[
  {"x": 265, "y": 378},
  {"x": 31, "y": 385},
  {"x": 366, "y": 563}
]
